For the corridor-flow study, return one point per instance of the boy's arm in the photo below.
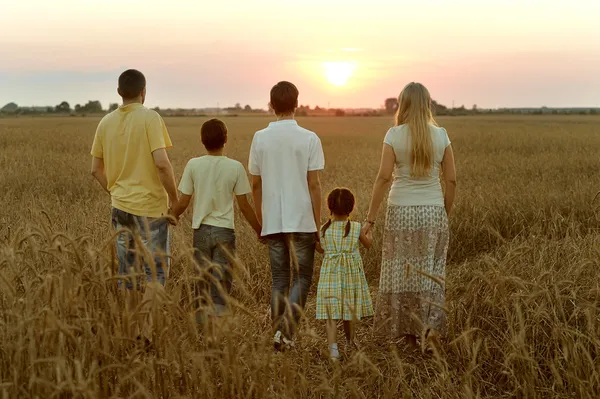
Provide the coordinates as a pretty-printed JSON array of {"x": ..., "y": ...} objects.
[
  {"x": 257, "y": 196},
  {"x": 314, "y": 187},
  {"x": 249, "y": 213},
  {"x": 181, "y": 205},
  {"x": 99, "y": 173}
]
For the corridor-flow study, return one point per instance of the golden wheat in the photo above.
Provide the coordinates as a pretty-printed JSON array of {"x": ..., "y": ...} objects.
[{"x": 522, "y": 278}]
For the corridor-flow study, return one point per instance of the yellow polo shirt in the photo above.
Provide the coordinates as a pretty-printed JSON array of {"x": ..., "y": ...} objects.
[{"x": 125, "y": 140}]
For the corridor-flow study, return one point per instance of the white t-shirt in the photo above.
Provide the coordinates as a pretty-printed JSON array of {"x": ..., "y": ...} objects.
[
  {"x": 282, "y": 155},
  {"x": 409, "y": 191},
  {"x": 214, "y": 180}
]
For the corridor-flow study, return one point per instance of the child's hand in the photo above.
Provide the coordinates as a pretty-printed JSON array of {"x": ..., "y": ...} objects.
[{"x": 319, "y": 248}]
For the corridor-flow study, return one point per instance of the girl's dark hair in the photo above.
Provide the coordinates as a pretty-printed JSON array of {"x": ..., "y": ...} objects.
[{"x": 340, "y": 202}]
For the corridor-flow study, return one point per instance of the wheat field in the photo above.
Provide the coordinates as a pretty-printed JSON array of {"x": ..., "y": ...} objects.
[{"x": 522, "y": 281}]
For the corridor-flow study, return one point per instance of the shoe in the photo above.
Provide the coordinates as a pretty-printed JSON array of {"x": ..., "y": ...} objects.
[
  {"x": 277, "y": 341},
  {"x": 281, "y": 343}
]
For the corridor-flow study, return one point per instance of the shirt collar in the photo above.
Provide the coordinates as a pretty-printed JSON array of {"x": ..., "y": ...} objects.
[
  {"x": 284, "y": 122},
  {"x": 130, "y": 107}
]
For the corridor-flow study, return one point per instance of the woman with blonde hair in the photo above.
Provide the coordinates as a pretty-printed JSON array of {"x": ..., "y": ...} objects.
[{"x": 415, "y": 239}]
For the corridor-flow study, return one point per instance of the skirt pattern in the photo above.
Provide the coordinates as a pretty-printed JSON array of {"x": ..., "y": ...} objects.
[{"x": 413, "y": 270}]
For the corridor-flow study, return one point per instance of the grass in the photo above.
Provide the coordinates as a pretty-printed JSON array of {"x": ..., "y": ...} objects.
[{"x": 522, "y": 277}]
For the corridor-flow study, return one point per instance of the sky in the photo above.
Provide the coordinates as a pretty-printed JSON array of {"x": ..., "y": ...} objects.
[{"x": 338, "y": 53}]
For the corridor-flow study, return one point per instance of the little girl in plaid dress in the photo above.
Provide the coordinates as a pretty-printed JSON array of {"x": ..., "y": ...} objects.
[{"x": 343, "y": 292}]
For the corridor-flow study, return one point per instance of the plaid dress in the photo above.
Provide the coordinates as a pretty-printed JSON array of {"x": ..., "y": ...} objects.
[{"x": 343, "y": 291}]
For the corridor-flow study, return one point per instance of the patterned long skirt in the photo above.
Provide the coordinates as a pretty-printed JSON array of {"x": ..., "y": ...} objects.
[{"x": 413, "y": 272}]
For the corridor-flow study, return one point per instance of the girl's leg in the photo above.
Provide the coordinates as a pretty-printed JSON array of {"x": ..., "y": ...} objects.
[
  {"x": 331, "y": 328},
  {"x": 350, "y": 332}
]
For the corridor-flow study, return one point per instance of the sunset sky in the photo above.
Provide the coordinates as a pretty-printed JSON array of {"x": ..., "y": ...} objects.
[{"x": 339, "y": 53}]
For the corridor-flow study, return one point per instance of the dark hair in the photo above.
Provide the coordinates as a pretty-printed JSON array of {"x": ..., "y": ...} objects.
[
  {"x": 214, "y": 134},
  {"x": 340, "y": 202},
  {"x": 284, "y": 98},
  {"x": 131, "y": 83}
]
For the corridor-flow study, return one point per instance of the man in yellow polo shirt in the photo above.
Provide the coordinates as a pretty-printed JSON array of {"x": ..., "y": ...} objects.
[{"x": 131, "y": 163}]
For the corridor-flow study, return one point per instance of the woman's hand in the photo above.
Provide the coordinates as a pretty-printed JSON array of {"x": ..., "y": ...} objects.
[{"x": 367, "y": 227}]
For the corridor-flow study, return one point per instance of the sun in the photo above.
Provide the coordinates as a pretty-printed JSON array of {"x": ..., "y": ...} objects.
[{"x": 338, "y": 72}]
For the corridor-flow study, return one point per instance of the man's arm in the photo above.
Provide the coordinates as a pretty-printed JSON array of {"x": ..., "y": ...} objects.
[
  {"x": 166, "y": 175},
  {"x": 314, "y": 187},
  {"x": 249, "y": 213},
  {"x": 257, "y": 196},
  {"x": 99, "y": 173}
]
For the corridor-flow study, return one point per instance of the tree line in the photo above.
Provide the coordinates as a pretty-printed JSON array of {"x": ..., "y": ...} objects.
[{"x": 91, "y": 107}]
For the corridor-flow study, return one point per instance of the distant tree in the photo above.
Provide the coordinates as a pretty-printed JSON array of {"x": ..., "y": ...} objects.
[
  {"x": 93, "y": 107},
  {"x": 63, "y": 107},
  {"x": 391, "y": 105},
  {"x": 113, "y": 107},
  {"x": 439, "y": 109},
  {"x": 78, "y": 108},
  {"x": 10, "y": 108},
  {"x": 474, "y": 107},
  {"x": 317, "y": 108},
  {"x": 301, "y": 112},
  {"x": 340, "y": 112},
  {"x": 248, "y": 108},
  {"x": 238, "y": 106},
  {"x": 50, "y": 110}
]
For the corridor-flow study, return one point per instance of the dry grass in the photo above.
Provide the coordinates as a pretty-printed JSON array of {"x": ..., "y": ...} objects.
[{"x": 522, "y": 285}]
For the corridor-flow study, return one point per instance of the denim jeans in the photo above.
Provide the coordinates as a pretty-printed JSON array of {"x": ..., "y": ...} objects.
[
  {"x": 211, "y": 247},
  {"x": 153, "y": 234},
  {"x": 290, "y": 253}
]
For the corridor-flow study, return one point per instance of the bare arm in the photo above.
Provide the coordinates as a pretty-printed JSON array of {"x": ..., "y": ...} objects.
[
  {"x": 165, "y": 174},
  {"x": 249, "y": 213},
  {"x": 384, "y": 178},
  {"x": 449, "y": 173},
  {"x": 181, "y": 205},
  {"x": 257, "y": 196},
  {"x": 366, "y": 237},
  {"x": 99, "y": 173},
  {"x": 314, "y": 187}
]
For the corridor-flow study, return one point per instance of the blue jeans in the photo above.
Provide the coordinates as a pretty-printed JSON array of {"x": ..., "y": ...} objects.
[
  {"x": 301, "y": 269},
  {"x": 213, "y": 247},
  {"x": 138, "y": 231}
]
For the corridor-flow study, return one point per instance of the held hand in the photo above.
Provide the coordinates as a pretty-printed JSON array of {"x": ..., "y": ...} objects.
[
  {"x": 367, "y": 229},
  {"x": 173, "y": 219},
  {"x": 260, "y": 237},
  {"x": 319, "y": 248}
]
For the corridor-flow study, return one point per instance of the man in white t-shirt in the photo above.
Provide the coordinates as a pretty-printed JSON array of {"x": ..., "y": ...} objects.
[{"x": 285, "y": 160}]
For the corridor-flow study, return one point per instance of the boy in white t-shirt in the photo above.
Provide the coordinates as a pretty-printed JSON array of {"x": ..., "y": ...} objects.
[
  {"x": 214, "y": 180},
  {"x": 285, "y": 160}
]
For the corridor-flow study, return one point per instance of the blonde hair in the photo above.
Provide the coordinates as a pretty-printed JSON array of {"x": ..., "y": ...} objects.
[{"x": 414, "y": 109}]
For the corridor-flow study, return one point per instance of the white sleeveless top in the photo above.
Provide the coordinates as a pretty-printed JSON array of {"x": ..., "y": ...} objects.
[{"x": 409, "y": 191}]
